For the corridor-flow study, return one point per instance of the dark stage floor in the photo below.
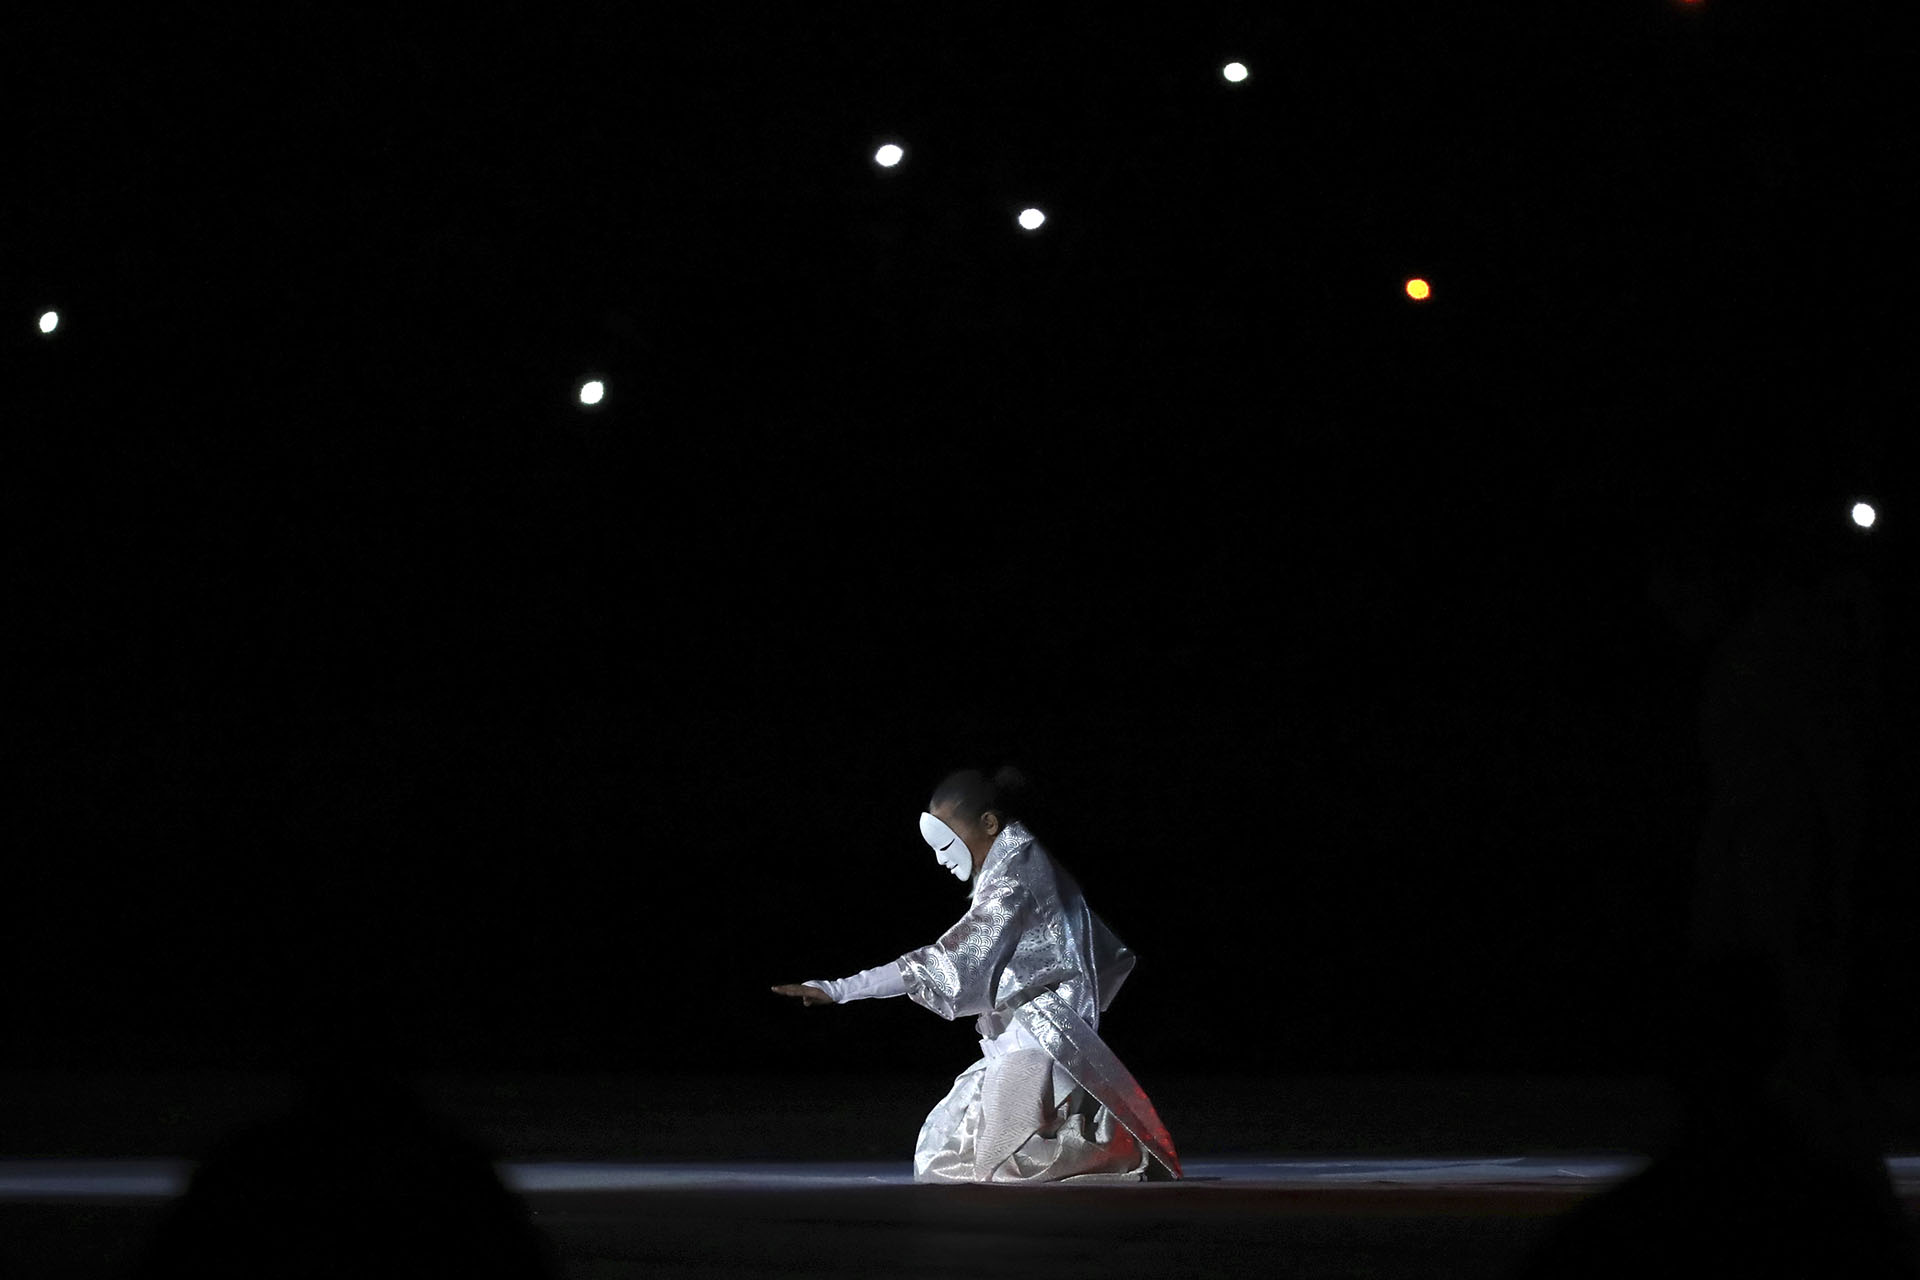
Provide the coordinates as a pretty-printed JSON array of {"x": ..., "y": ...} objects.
[{"x": 612, "y": 1172}]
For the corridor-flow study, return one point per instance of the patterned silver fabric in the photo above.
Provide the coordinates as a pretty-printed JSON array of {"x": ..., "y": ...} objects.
[
  {"x": 1029, "y": 949},
  {"x": 1019, "y": 1117}
]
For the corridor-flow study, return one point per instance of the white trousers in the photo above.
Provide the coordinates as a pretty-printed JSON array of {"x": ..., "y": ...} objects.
[{"x": 1016, "y": 1115}]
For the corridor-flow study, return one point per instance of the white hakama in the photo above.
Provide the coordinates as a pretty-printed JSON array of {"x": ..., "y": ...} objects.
[{"x": 1019, "y": 1117}]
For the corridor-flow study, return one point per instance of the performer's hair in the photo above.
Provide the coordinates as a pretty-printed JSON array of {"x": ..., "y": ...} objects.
[{"x": 973, "y": 794}]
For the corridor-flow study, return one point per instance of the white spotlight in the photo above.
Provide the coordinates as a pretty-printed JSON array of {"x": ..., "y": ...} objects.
[
  {"x": 888, "y": 156},
  {"x": 1864, "y": 515},
  {"x": 1234, "y": 72},
  {"x": 1030, "y": 219},
  {"x": 592, "y": 391},
  {"x": 49, "y": 321}
]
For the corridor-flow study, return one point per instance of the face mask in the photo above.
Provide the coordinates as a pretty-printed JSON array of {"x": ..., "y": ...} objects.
[{"x": 948, "y": 848}]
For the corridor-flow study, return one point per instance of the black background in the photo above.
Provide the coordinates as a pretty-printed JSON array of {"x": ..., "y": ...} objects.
[{"x": 365, "y": 690}]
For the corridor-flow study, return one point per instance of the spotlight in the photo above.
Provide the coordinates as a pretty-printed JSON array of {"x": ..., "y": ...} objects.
[
  {"x": 1030, "y": 219},
  {"x": 1419, "y": 290},
  {"x": 592, "y": 391},
  {"x": 1864, "y": 515},
  {"x": 49, "y": 321},
  {"x": 888, "y": 156},
  {"x": 1234, "y": 72}
]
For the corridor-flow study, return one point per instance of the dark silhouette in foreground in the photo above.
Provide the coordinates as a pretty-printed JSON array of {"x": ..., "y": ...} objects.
[
  {"x": 1775, "y": 1169},
  {"x": 357, "y": 1180}
]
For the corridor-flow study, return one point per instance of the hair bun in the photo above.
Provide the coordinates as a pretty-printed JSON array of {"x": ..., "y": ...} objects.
[{"x": 972, "y": 793}]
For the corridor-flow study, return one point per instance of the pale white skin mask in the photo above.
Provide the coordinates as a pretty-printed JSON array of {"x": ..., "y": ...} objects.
[{"x": 948, "y": 848}]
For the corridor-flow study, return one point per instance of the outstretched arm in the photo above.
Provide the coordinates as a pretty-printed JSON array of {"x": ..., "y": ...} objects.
[{"x": 877, "y": 983}]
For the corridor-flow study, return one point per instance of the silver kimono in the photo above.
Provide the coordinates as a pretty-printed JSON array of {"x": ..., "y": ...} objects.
[{"x": 1048, "y": 1101}]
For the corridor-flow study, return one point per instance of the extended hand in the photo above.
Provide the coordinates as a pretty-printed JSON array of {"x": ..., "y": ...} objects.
[{"x": 806, "y": 995}]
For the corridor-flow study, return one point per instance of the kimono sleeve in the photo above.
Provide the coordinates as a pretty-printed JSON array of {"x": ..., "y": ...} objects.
[{"x": 959, "y": 975}]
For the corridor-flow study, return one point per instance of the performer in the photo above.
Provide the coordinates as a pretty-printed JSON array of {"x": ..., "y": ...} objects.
[{"x": 1047, "y": 1101}]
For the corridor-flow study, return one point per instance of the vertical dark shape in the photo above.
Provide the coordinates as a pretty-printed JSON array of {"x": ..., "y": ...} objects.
[{"x": 1775, "y": 1169}]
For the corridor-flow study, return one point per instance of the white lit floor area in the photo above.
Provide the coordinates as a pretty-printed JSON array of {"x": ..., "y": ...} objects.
[
  {"x": 607, "y": 1178},
  {"x": 110, "y": 1181},
  {"x": 1309, "y": 1217}
]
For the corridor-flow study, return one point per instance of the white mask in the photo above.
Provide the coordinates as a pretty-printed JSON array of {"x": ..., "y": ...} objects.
[{"x": 949, "y": 849}]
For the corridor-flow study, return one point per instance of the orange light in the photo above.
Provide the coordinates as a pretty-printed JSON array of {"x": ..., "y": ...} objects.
[{"x": 1419, "y": 290}]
